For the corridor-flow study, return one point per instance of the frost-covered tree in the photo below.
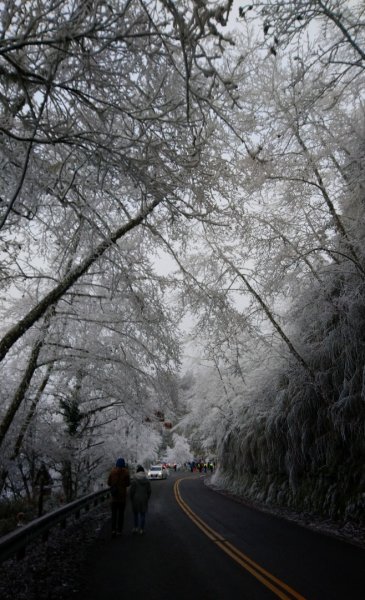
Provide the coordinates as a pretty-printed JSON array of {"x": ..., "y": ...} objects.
[
  {"x": 114, "y": 335},
  {"x": 107, "y": 115},
  {"x": 108, "y": 120},
  {"x": 291, "y": 262},
  {"x": 180, "y": 452}
]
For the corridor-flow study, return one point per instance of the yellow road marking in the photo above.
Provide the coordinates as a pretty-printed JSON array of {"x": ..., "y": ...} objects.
[{"x": 277, "y": 586}]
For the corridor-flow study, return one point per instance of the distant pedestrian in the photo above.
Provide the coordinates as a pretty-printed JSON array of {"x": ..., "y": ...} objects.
[
  {"x": 118, "y": 481},
  {"x": 140, "y": 493},
  {"x": 43, "y": 484}
]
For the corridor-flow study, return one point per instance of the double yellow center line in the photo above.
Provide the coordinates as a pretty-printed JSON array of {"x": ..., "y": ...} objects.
[{"x": 278, "y": 587}]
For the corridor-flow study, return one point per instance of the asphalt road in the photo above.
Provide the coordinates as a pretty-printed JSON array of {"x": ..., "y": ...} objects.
[{"x": 201, "y": 545}]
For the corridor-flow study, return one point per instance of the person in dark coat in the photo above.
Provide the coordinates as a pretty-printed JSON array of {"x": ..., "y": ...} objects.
[
  {"x": 140, "y": 493},
  {"x": 118, "y": 481}
]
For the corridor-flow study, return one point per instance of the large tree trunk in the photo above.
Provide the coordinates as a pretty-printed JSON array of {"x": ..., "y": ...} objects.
[
  {"x": 19, "y": 441},
  {"x": 27, "y": 377},
  {"x": 22, "y": 389},
  {"x": 16, "y": 332}
]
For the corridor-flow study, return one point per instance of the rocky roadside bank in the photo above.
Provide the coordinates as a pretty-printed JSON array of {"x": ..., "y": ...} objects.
[{"x": 51, "y": 570}]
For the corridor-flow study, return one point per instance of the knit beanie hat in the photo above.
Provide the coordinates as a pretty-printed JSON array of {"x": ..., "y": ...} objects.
[{"x": 120, "y": 463}]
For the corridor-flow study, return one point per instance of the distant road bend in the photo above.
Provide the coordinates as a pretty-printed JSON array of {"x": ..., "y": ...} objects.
[{"x": 201, "y": 545}]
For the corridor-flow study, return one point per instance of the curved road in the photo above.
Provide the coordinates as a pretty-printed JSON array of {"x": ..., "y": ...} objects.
[{"x": 201, "y": 545}]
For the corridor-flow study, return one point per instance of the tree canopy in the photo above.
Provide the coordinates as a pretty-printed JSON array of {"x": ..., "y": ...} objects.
[{"x": 229, "y": 138}]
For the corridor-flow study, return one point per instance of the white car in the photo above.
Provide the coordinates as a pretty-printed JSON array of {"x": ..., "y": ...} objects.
[{"x": 157, "y": 472}]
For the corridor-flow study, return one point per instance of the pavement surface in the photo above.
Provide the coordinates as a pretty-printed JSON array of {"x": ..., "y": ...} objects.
[{"x": 201, "y": 545}]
